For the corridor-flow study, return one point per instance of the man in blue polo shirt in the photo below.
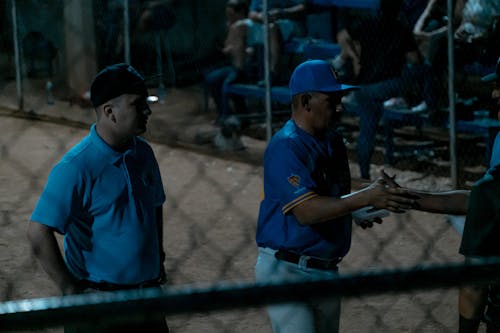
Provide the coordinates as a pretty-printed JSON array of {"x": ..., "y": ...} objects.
[
  {"x": 105, "y": 196},
  {"x": 304, "y": 226}
]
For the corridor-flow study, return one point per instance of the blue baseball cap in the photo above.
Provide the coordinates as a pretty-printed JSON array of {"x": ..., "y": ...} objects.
[
  {"x": 316, "y": 76},
  {"x": 495, "y": 76}
]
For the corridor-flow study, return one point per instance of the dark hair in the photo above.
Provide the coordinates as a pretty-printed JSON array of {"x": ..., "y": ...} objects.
[
  {"x": 239, "y": 6},
  {"x": 390, "y": 7}
]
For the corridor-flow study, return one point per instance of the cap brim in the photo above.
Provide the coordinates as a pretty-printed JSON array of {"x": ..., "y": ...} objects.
[
  {"x": 343, "y": 88},
  {"x": 490, "y": 77},
  {"x": 346, "y": 87}
]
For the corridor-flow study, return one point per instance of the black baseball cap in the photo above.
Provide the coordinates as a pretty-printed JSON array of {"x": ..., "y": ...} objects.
[
  {"x": 495, "y": 76},
  {"x": 116, "y": 80}
]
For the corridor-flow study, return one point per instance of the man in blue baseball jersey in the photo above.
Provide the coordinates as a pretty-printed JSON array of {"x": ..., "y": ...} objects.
[
  {"x": 105, "y": 196},
  {"x": 304, "y": 226}
]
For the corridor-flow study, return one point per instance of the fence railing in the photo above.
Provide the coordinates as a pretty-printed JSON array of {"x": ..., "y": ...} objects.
[{"x": 116, "y": 306}]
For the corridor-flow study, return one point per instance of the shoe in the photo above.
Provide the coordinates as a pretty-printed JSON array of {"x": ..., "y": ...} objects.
[
  {"x": 396, "y": 103},
  {"x": 422, "y": 107}
]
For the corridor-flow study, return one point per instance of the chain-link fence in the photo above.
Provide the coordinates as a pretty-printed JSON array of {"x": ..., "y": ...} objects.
[{"x": 213, "y": 196}]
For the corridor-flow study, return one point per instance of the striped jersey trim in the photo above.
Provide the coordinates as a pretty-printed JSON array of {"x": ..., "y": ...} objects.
[{"x": 297, "y": 201}]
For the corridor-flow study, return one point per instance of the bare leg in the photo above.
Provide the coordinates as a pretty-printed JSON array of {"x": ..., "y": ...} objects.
[
  {"x": 235, "y": 44},
  {"x": 350, "y": 50},
  {"x": 274, "y": 47}
]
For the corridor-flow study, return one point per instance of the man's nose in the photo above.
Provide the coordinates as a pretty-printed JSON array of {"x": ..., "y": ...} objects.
[{"x": 339, "y": 108}]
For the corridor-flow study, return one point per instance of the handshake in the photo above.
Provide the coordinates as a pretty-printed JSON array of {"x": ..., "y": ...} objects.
[{"x": 380, "y": 199}]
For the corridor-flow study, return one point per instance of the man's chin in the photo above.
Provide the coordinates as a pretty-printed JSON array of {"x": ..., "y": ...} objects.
[{"x": 140, "y": 130}]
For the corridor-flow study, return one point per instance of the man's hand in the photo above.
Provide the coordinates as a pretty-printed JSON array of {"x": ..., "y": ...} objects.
[
  {"x": 386, "y": 193},
  {"x": 388, "y": 180},
  {"x": 369, "y": 223}
]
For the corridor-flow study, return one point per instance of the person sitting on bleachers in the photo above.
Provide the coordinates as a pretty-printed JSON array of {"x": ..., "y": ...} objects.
[
  {"x": 381, "y": 55},
  {"x": 236, "y": 67},
  {"x": 286, "y": 19}
]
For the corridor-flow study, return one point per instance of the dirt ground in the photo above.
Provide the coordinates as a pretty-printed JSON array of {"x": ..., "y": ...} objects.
[{"x": 210, "y": 216}]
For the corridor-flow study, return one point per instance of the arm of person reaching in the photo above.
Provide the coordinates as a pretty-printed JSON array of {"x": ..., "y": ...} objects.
[
  {"x": 46, "y": 249},
  {"x": 447, "y": 202},
  {"x": 292, "y": 12},
  {"x": 322, "y": 208}
]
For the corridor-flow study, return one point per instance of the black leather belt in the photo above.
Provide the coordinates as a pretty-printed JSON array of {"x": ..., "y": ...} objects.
[
  {"x": 310, "y": 262},
  {"x": 107, "y": 286}
]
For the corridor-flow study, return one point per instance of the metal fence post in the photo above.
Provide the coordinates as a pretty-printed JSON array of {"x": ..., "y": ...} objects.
[
  {"x": 451, "y": 97},
  {"x": 17, "y": 58},
  {"x": 126, "y": 32},
  {"x": 267, "y": 81}
]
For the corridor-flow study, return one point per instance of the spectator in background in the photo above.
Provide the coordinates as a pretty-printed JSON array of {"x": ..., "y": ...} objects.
[
  {"x": 286, "y": 19},
  {"x": 380, "y": 54},
  {"x": 477, "y": 38},
  {"x": 237, "y": 67},
  {"x": 477, "y": 16}
]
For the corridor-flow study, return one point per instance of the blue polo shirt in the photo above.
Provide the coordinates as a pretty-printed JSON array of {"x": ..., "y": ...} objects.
[
  {"x": 104, "y": 202},
  {"x": 298, "y": 167}
]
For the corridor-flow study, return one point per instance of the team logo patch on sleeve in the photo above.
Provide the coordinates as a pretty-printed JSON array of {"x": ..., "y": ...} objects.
[{"x": 294, "y": 180}]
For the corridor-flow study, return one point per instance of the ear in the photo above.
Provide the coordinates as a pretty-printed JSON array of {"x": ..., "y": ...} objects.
[
  {"x": 107, "y": 111},
  {"x": 305, "y": 100}
]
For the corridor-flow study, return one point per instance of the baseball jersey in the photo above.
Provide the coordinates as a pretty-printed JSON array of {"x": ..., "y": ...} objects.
[
  {"x": 482, "y": 224},
  {"x": 297, "y": 168},
  {"x": 104, "y": 203}
]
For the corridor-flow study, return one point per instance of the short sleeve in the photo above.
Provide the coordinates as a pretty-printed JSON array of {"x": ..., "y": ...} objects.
[
  {"x": 482, "y": 224},
  {"x": 288, "y": 176},
  {"x": 59, "y": 199}
]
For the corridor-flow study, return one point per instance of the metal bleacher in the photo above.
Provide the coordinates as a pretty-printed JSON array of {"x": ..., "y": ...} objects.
[{"x": 480, "y": 127}]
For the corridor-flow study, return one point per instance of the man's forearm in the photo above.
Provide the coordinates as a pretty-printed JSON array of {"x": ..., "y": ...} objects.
[
  {"x": 46, "y": 249},
  {"x": 451, "y": 202}
]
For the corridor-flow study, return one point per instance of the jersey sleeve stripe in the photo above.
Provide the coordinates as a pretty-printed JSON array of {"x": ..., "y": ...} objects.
[{"x": 297, "y": 201}]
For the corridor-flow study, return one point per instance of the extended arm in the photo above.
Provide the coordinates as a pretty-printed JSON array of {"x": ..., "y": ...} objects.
[
  {"x": 279, "y": 13},
  {"x": 46, "y": 249},
  {"x": 446, "y": 202},
  {"x": 320, "y": 209},
  {"x": 450, "y": 202}
]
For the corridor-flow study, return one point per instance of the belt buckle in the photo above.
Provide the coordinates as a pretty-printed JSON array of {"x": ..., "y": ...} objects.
[{"x": 328, "y": 264}]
